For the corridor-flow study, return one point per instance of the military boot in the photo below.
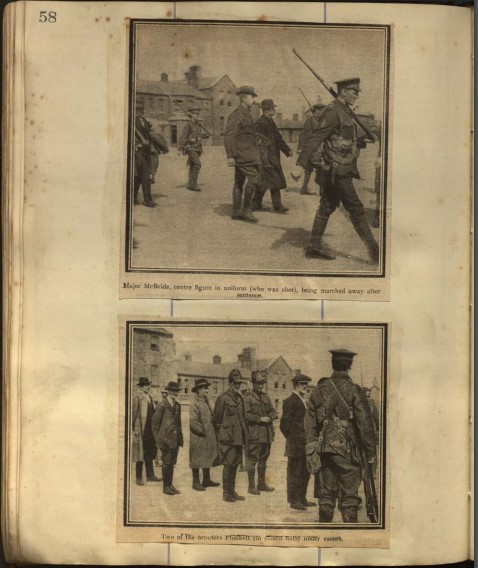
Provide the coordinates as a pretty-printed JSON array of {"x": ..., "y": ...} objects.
[
  {"x": 326, "y": 514},
  {"x": 236, "y": 203},
  {"x": 277, "y": 202},
  {"x": 246, "y": 210},
  {"x": 227, "y": 484},
  {"x": 314, "y": 248},
  {"x": 350, "y": 514},
  {"x": 304, "y": 189},
  {"x": 251, "y": 474},
  {"x": 261, "y": 483},
  {"x": 193, "y": 180},
  {"x": 363, "y": 230}
]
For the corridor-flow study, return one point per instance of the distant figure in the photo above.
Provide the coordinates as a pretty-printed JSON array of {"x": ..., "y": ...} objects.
[
  {"x": 148, "y": 146},
  {"x": 373, "y": 409},
  {"x": 273, "y": 176},
  {"x": 243, "y": 155},
  {"x": 292, "y": 426},
  {"x": 191, "y": 144},
  {"x": 168, "y": 434},
  {"x": 144, "y": 446},
  {"x": 310, "y": 125},
  {"x": 203, "y": 448}
]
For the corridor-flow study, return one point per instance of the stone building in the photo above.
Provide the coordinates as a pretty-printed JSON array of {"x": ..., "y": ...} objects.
[
  {"x": 214, "y": 95},
  {"x": 152, "y": 356}
]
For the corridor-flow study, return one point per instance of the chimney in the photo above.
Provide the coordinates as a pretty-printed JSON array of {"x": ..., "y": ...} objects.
[
  {"x": 297, "y": 372},
  {"x": 249, "y": 357},
  {"x": 186, "y": 75},
  {"x": 216, "y": 359},
  {"x": 193, "y": 76},
  {"x": 188, "y": 356},
  {"x": 164, "y": 77}
]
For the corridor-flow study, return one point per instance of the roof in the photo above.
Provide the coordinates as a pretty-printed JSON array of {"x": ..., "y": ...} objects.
[
  {"x": 169, "y": 88},
  {"x": 153, "y": 331},
  {"x": 210, "y": 370}
]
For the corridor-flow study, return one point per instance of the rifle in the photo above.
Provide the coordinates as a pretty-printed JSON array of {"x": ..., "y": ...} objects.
[
  {"x": 371, "y": 501},
  {"x": 189, "y": 116},
  {"x": 307, "y": 100},
  {"x": 369, "y": 134}
]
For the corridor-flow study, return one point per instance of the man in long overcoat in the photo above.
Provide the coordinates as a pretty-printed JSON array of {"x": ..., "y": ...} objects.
[
  {"x": 339, "y": 427},
  {"x": 231, "y": 429},
  {"x": 168, "y": 434},
  {"x": 203, "y": 448},
  {"x": 310, "y": 125},
  {"x": 334, "y": 147},
  {"x": 260, "y": 415},
  {"x": 292, "y": 426},
  {"x": 144, "y": 446},
  {"x": 272, "y": 174},
  {"x": 191, "y": 144},
  {"x": 243, "y": 155}
]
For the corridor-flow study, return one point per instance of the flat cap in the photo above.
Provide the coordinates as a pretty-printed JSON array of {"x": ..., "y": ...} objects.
[{"x": 301, "y": 379}]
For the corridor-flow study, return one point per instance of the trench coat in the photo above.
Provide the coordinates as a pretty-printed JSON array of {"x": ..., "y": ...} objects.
[
  {"x": 203, "y": 449},
  {"x": 272, "y": 172},
  {"x": 139, "y": 415}
]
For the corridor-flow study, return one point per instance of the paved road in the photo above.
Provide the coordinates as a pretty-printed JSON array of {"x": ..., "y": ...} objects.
[
  {"x": 195, "y": 230},
  {"x": 148, "y": 502}
]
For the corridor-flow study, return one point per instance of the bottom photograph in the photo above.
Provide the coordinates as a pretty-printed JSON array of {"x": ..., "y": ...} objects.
[{"x": 253, "y": 433}]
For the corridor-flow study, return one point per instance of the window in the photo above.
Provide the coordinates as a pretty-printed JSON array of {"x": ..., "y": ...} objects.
[
  {"x": 154, "y": 343},
  {"x": 154, "y": 373},
  {"x": 229, "y": 103},
  {"x": 276, "y": 403},
  {"x": 276, "y": 385},
  {"x": 221, "y": 102},
  {"x": 221, "y": 123},
  {"x": 186, "y": 386},
  {"x": 283, "y": 386},
  {"x": 214, "y": 387}
]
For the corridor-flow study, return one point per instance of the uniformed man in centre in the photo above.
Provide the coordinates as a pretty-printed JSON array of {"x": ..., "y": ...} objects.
[
  {"x": 243, "y": 154},
  {"x": 339, "y": 432},
  {"x": 260, "y": 415},
  {"x": 191, "y": 144},
  {"x": 334, "y": 148}
]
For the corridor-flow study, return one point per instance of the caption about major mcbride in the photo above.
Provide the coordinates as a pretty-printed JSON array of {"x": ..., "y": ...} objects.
[{"x": 252, "y": 291}]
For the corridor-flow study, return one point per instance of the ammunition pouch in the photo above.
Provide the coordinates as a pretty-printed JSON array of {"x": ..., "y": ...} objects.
[{"x": 312, "y": 454}]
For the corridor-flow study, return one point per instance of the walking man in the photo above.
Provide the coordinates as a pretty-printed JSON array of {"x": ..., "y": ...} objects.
[
  {"x": 333, "y": 146},
  {"x": 229, "y": 421},
  {"x": 338, "y": 428},
  {"x": 168, "y": 434},
  {"x": 292, "y": 426},
  {"x": 191, "y": 145},
  {"x": 243, "y": 155},
  {"x": 260, "y": 415},
  {"x": 273, "y": 176},
  {"x": 144, "y": 446},
  {"x": 310, "y": 125},
  {"x": 203, "y": 449},
  {"x": 148, "y": 146}
]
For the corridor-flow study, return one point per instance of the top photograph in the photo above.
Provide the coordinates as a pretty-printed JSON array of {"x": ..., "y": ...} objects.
[{"x": 257, "y": 149}]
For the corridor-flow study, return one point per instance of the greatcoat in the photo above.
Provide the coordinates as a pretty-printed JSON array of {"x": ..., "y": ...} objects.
[{"x": 203, "y": 448}]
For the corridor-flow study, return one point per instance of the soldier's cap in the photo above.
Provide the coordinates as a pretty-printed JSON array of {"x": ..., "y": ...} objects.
[
  {"x": 235, "y": 376},
  {"x": 342, "y": 354},
  {"x": 173, "y": 387},
  {"x": 143, "y": 382},
  {"x": 246, "y": 90},
  {"x": 301, "y": 379},
  {"x": 258, "y": 377},
  {"x": 193, "y": 109},
  {"x": 348, "y": 84},
  {"x": 199, "y": 383},
  {"x": 268, "y": 103}
]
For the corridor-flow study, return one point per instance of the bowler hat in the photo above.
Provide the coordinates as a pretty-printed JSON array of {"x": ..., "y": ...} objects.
[
  {"x": 143, "y": 382},
  {"x": 246, "y": 90},
  {"x": 199, "y": 383},
  {"x": 342, "y": 354},
  {"x": 172, "y": 386},
  {"x": 268, "y": 103},
  {"x": 301, "y": 379},
  {"x": 348, "y": 84},
  {"x": 235, "y": 376}
]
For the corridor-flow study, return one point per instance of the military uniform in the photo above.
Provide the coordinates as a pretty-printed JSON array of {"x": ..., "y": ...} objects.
[
  {"x": 240, "y": 144},
  {"x": 148, "y": 146},
  {"x": 310, "y": 125},
  {"x": 191, "y": 143},
  {"x": 339, "y": 426},
  {"x": 258, "y": 405},
  {"x": 231, "y": 430},
  {"x": 333, "y": 147}
]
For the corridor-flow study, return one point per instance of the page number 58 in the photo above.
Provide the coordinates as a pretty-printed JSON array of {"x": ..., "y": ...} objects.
[{"x": 49, "y": 17}]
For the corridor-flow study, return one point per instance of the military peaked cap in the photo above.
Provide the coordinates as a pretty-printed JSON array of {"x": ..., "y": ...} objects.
[
  {"x": 342, "y": 354},
  {"x": 348, "y": 84},
  {"x": 235, "y": 376}
]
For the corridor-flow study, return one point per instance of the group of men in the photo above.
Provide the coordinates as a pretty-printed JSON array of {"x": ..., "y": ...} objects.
[
  {"x": 329, "y": 145},
  {"x": 333, "y": 434}
]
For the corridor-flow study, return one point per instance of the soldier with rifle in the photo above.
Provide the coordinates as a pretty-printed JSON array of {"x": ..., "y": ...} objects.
[
  {"x": 333, "y": 147},
  {"x": 341, "y": 443},
  {"x": 191, "y": 145},
  {"x": 310, "y": 125}
]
